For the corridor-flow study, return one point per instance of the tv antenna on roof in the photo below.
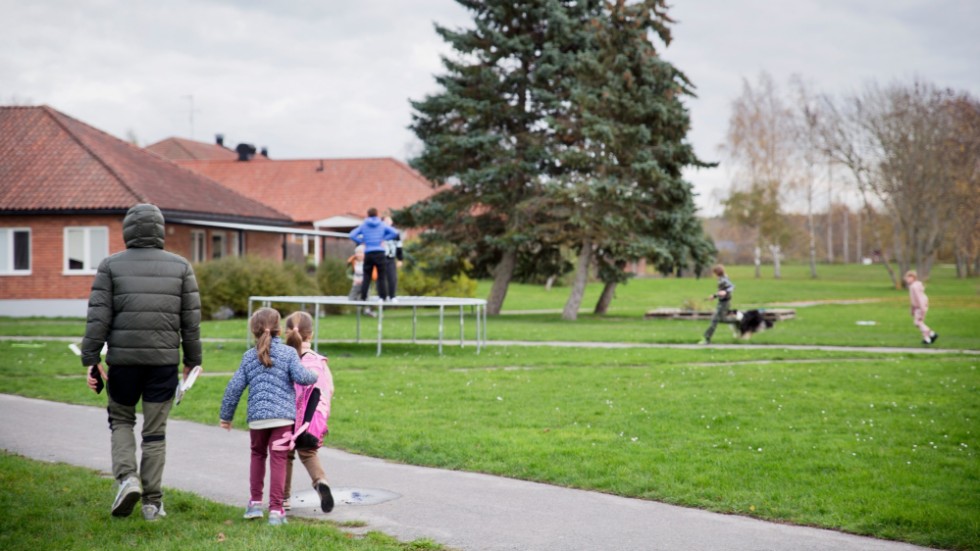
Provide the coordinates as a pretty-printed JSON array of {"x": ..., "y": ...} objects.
[{"x": 190, "y": 113}]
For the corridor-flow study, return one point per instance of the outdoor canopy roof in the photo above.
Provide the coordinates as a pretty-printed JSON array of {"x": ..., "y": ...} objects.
[{"x": 257, "y": 227}]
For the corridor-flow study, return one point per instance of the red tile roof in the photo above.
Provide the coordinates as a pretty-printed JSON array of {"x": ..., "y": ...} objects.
[
  {"x": 178, "y": 149},
  {"x": 314, "y": 189},
  {"x": 52, "y": 162}
]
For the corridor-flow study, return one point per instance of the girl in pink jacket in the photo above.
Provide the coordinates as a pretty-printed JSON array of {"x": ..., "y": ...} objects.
[
  {"x": 299, "y": 333},
  {"x": 919, "y": 306}
]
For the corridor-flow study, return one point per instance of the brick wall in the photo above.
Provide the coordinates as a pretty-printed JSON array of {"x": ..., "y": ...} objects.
[
  {"x": 48, "y": 278},
  {"x": 266, "y": 245}
]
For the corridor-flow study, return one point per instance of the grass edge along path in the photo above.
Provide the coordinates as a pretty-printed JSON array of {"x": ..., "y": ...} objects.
[{"x": 67, "y": 507}]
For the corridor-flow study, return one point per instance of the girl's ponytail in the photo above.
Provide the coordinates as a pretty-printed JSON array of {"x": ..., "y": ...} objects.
[
  {"x": 264, "y": 325},
  {"x": 293, "y": 338},
  {"x": 299, "y": 328}
]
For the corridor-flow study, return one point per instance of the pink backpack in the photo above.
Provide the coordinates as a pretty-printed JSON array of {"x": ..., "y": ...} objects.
[{"x": 311, "y": 423}]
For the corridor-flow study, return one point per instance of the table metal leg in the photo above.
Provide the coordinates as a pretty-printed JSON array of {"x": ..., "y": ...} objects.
[
  {"x": 442, "y": 311},
  {"x": 381, "y": 315}
]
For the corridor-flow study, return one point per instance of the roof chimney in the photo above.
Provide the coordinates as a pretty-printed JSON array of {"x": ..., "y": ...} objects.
[
  {"x": 265, "y": 152},
  {"x": 245, "y": 151},
  {"x": 219, "y": 139}
]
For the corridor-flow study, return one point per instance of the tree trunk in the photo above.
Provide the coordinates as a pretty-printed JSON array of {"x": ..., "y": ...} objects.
[
  {"x": 847, "y": 236},
  {"x": 502, "y": 275},
  {"x": 813, "y": 237},
  {"x": 605, "y": 299},
  {"x": 860, "y": 251},
  {"x": 877, "y": 235},
  {"x": 776, "y": 252},
  {"x": 758, "y": 261},
  {"x": 830, "y": 212},
  {"x": 570, "y": 313},
  {"x": 550, "y": 282}
]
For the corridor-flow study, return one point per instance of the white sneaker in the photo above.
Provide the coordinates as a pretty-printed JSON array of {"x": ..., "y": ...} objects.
[
  {"x": 127, "y": 497},
  {"x": 254, "y": 510},
  {"x": 277, "y": 518},
  {"x": 151, "y": 512}
]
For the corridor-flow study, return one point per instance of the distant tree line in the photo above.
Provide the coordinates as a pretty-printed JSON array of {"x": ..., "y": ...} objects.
[{"x": 908, "y": 152}]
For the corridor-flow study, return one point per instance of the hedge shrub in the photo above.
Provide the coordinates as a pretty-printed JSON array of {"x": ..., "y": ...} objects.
[
  {"x": 428, "y": 272},
  {"x": 332, "y": 280},
  {"x": 228, "y": 282}
]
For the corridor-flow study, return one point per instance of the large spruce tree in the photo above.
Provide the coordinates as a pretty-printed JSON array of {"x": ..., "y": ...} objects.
[
  {"x": 558, "y": 125},
  {"x": 485, "y": 133},
  {"x": 622, "y": 148}
]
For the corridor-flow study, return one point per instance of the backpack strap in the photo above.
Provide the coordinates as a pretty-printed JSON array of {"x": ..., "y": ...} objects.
[{"x": 288, "y": 440}]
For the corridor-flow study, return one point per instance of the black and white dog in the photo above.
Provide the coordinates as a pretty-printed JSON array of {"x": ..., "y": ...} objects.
[{"x": 749, "y": 323}]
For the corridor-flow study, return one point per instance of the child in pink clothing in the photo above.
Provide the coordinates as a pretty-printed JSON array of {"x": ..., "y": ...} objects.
[
  {"x": 299, "y": 334},
  {"x": 919, "y": 306}
]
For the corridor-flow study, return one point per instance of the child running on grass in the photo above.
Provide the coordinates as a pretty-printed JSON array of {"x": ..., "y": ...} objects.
[
  {"x": 269, "y": 371},
  {"x": 724, "y": 296},
  {"x": 919, "y": 305},
  {"x": 299, "y": 333}
]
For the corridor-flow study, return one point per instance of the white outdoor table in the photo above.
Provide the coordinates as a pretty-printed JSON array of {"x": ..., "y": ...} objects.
[{"x": 479, "y": 307}]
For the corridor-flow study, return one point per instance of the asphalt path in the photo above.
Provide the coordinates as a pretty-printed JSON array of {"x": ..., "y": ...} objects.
[{"x": 461, "y": 510}]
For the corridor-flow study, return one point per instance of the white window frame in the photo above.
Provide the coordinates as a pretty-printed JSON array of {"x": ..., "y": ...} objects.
[
  {"x": 309, "y": 245},
  {"x": 220, "y": 250},
  {"x": 199, "y": 246},
  {"x": 234, "y": 246},
  {"x": 88, "y": 266},
  {"x": 8, "y": 235}
]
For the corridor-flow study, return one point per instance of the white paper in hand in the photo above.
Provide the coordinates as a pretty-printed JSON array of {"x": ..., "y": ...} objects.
[{"x": 186, "y": 385}]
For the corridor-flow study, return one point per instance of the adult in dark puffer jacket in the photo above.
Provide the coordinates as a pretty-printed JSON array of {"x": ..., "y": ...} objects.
[{"x": 145, "y": 305}]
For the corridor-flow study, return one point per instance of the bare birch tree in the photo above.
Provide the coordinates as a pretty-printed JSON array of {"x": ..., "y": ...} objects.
[
  {"x": 963, "y": 155},
  {"x": 807, "y": 121},
  {"x": 761, "y": 146},
  {"x": 893, "y": 141}
]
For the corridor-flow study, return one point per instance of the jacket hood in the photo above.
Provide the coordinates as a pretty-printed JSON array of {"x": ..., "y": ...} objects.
[
  {"x": 373, "y": 221},
  {"x": 143, "y": 227}
]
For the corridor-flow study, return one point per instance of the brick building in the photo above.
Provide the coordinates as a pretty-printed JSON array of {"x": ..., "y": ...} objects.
[{"x": 64, "y": 189}]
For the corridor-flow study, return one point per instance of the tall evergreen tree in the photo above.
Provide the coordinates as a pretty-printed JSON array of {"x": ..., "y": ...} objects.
[
  {"x": 485, "y": 133},
  {"x": 622, "y": 146}
]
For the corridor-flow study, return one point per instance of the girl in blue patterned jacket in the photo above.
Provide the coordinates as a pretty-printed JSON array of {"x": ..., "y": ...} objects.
[{"x": 269, "y": 371}]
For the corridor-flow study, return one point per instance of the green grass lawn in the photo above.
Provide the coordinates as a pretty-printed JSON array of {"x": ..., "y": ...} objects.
[
  {"x": 876, "y": 444},
  {"x": 954, "y": 313},
  {"x": 57, "y": 506}
]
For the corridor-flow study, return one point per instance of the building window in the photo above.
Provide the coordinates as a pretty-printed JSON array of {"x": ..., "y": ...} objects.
[
  {"x": 85, "y": 248},
  {"x": 234, "y": 248},
  {"x": 198, "y": 246},
  {"x": 15, "y": 251},
  {"x": 218, "y": 245}
]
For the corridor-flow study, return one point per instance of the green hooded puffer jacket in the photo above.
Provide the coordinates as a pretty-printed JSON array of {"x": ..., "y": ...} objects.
[{"x": 144, "y": 301}]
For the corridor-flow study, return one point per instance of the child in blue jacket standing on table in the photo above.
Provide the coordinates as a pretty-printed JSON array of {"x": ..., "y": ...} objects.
[
  {"x": 372, "y": 234},
  {"x": 269, "y": 371}
]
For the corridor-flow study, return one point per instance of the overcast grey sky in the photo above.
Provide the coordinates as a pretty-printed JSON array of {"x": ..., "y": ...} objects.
[{"x": 331, "y": 78}]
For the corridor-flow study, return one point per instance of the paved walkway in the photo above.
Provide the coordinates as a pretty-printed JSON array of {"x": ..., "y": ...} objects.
[{"x": 462, "y": 510}]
